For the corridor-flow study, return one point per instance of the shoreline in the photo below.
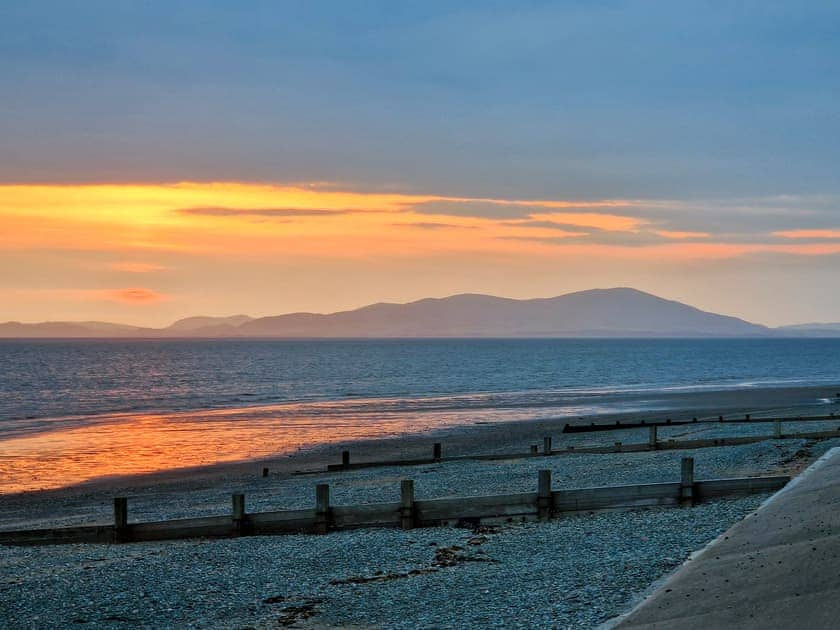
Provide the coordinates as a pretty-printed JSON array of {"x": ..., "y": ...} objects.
[{"x": 462, "y": 439}]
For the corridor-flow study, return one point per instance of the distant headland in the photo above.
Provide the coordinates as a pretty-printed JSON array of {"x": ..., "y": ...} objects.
[{"x": 616, "y": 312}]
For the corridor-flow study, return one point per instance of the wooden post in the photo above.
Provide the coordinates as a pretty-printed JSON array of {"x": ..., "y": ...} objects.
[
  {"x": 535, "y": 449},
  {"x": 345, "y": 458},
  {"x": 322, "y": 508},
  {"x": 437, "y": 451},
  {"x": 265, "y": 472},
  {"x": 720, "y": 418},
  {"x": 238, "y": 513},
  {"x": 687, "y": 481},
  {"x": 407, "y": 504},
  {"x": 546, "y": 446},
  {"x": 746, "y": 416},
  {"x": 617, "y": 447},
  {"x": 544, "y": 495},
  {"x": 777, "y": 429},
  {"x": 652, "y": 437},
  {"x": 120, "y": 519}
]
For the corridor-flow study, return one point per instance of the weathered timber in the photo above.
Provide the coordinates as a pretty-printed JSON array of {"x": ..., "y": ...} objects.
[
  {"x": 747, "y": 419},
  {"x": 59, "y": 535},
  {"x": 365, "y": 515},
  {"x": 237, "y": 517},
  {"x": 546, "y": 446},
  {"x": 121, "y": 519},
  {"x": 322, "y": 508},
  {"x": 202, "y": 527},
  {"x": 420, "y": 461},
  {"x": 451, "y": 510},
  {"x": 283, "y": 522},
  {"x": 436, "y": 511},
  {"x": 611, "y": 497},
  {"x": 687, "y": 481},
  {"x": 613, "y": 448},
  {"x": 407, "y": 504},
  {"x": 714, "y": 488},
  {"x": 544, "y": 495}
]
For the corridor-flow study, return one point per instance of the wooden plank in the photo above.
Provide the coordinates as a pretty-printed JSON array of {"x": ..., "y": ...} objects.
[
  {"x": 59, "y": 535},
  {"x": 202, "y": 527},
  {"x": 616, "y": 497},
  {"x": 544, "y": 495},
  {"x": 407, "y": 504},
  {"x": 322, "y": 508},
  {"x": 747, "y": 485},
  {"x": 475, "y": 507},
  {"x": 286, "y": 521},
  {"x": 121, "y": 519},
  {"x": 385, "y": 463},
  {"x": 623, "y": 426},
  {"x": 687, "y": 481},
  {"x": 429, "y": 512},
  {"x": 366, "y": 515},
  {"x": 238, "y": 523}
]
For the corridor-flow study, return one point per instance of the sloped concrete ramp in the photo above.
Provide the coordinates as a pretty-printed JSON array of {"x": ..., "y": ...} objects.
[{"x": 778, "y": 568}]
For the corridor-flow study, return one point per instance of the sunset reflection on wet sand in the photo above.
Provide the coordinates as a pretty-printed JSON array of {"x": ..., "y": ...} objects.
[{"x": 130, "y": 444}]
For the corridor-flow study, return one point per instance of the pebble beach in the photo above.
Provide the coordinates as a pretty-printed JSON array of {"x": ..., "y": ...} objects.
[{"x": 577, "y": 571}]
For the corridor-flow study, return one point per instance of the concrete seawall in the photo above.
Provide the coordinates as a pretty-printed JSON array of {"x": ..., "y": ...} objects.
[{"x": 778, "y": 568}]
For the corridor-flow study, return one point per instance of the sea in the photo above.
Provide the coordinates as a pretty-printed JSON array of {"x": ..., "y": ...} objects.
[{"x": 93, "y": 407}]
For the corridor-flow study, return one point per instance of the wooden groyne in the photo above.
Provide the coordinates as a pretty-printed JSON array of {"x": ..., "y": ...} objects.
[
  {"x": 407, "y": 513},
  {"x": 653, "y": 443},
  {"x": 745, "y": 419}
]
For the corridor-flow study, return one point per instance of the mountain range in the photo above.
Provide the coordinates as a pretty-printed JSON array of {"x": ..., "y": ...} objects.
[{"x": 617, "y": 312}]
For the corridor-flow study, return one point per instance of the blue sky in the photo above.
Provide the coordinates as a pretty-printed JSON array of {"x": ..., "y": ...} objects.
[{"x": 576, "y": 99}]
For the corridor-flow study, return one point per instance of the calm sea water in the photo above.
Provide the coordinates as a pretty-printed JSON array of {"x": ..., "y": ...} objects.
[{"x": 44, "y": 379}]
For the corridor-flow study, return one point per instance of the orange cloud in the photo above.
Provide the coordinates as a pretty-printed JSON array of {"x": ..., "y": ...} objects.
[
  {"x": 681, "y": 235},
  {"x": 242, "y": 221},
  {"x": 136, "y": 267},
  {"x": 132, "y": 295},
  {"x": 253, "y": 220},
  {"x": 826, "y": 234},
  {"x": 606, "y": 222}
]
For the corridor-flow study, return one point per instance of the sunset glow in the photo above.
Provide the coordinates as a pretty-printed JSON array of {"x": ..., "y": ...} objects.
[{"x": 104, "y": 237}]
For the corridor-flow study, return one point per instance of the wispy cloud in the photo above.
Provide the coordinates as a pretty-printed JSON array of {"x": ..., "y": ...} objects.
[
  {"x": 678, "y": 235},
  {"x": 809, "y": 234},
  {"x": 130, "y": 295},
  {"x": 606, "y": 222},
  {"x": 431, "y": 225},
  {"x": 261, "y": 212},
  {"x": 136, "y": 267}
]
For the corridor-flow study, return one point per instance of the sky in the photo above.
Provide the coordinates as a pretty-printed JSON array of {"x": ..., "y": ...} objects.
[{"x": 166, "y": 159}]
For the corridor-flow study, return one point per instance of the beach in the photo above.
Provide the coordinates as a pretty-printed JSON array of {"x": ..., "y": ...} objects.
[{"x": 574, "y": 572}]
